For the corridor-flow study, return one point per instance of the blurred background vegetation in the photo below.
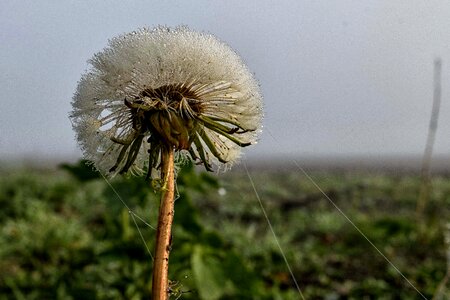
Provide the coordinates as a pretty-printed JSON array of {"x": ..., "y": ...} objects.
[{"x": 64, "y": 234}]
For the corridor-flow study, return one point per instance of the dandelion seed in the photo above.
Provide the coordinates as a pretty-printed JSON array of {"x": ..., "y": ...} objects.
[{"x": 164, "y": 85}]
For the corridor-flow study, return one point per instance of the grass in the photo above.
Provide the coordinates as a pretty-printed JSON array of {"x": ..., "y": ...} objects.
[{"x": 65, "y": 235}]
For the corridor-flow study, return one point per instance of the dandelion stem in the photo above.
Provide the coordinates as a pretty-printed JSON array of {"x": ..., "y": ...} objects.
[{"x": 160, "y": 285}]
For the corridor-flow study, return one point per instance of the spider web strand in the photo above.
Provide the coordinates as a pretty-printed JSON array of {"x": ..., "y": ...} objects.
[
  {"x": 350, "y": 221},
  {"x": 273, "y": 231},
  {"x": 133, "y": 215}
]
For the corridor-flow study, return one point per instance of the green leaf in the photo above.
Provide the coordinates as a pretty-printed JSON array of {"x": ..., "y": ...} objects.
[{"x": 208, "y": 274}]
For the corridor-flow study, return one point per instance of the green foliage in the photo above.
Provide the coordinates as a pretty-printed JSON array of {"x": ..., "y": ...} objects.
[
  {"x": 65, "y": 234},
  {"x": 83, "y": 170}
]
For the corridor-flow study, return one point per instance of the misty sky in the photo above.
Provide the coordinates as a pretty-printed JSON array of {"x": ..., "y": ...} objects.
[{"x": 338, "y": 77}]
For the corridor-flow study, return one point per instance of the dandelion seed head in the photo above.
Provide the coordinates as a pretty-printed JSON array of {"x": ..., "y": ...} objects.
[{"x": 171, "y": 86}]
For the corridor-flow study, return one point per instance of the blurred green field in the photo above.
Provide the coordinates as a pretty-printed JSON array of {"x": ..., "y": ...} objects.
[{"x": 64, "y": 234}]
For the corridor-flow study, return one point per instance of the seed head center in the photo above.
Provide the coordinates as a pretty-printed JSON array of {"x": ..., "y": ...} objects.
[{"x": 170, "y": 111}]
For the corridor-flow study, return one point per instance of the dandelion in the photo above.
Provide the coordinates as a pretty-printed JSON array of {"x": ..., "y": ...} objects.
[
  {"x": 156, "y": 96},
  {"x": 165, "y": 86}
]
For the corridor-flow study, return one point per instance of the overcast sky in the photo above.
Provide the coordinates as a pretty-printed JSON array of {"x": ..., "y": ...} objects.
[{"x": 338, "y": 77}]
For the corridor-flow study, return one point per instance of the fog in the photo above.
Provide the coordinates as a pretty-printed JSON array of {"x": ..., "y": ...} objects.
[{"x": 339, "y": 78}]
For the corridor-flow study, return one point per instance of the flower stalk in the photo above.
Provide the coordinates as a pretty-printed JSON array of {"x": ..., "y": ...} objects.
[{"x": 160, "y": 281}]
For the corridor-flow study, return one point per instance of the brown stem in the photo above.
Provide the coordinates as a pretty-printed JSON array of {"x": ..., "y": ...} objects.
[{"x": 160, "y": 285}]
